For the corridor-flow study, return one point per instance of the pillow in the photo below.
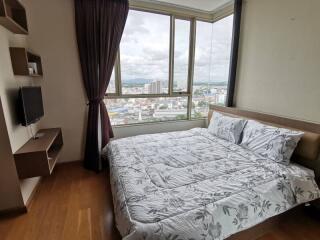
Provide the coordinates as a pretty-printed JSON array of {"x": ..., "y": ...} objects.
[
  {"x": 227, "y": 128},
  {"x": 270, "y": 142}
]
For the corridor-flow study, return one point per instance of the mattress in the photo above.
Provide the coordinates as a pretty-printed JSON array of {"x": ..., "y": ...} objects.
[{"x": 193, "y": 185}]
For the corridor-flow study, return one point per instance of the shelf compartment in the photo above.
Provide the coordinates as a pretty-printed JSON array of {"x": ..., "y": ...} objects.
[
  {"x": 20, "y": 59},
  {"x": 13, "y": 16},
  {"x": 39, "y": 156}
]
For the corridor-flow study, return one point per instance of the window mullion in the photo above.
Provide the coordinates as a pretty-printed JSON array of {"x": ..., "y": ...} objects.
[
  {"x": 118, "y": 75},
  {"x": 191, "y": 64},
  {"x": 171, "y": 54}
]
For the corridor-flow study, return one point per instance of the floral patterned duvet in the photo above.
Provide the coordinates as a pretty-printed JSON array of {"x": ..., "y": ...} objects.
[{"x": 193, "y": 185}]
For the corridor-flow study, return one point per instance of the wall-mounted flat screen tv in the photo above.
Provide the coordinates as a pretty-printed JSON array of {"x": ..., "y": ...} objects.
[{"x": 30, "y": 105}]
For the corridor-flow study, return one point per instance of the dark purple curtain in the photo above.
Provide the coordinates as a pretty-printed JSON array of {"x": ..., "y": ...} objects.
[{"x": 99, "y": 27}]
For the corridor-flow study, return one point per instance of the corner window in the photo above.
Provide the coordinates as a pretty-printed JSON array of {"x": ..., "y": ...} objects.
[{"x": 168, "y": 68}]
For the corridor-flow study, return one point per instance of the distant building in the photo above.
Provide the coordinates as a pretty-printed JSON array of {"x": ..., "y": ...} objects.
[
  {"x": 221, "y": 98},
  {"x": 182, "y": 85},
  {"x": 140, "y": 116},
  {"x": 153, "y": 88},
  {"x": 147, "y": 88}
]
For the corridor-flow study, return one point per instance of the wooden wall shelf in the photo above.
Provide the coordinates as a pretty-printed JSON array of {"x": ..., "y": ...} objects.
[
  {"x": 20, "y": 58},
  {"x": 13, "y": 16},
  {"x": 39, "y": 156}
]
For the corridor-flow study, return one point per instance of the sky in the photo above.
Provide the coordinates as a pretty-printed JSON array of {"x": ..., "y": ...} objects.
[{"x": 144, "y": 48}]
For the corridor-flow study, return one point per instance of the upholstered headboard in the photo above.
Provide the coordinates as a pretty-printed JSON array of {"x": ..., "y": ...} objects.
[{"x": 307, "y": 152}]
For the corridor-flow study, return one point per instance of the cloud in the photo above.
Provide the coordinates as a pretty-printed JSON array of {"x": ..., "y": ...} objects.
[
  {"x": 156, "y": 54},
  {"x": 144, "y": 48}
]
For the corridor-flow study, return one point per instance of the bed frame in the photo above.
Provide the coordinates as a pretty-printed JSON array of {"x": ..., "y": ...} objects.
[{"x": 306, "y": 154}]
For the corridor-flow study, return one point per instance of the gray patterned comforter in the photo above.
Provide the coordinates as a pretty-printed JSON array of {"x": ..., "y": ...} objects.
[{"x": 193, "y": 185}]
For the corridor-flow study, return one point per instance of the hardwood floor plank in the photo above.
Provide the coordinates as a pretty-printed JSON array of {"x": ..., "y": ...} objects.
[
  {"x": 70, "y": 229},
  {"x": 74, "y": 203},
  {"x": 84, "y": 230}
]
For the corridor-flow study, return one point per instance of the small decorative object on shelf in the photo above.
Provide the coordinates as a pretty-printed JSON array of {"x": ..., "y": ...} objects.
[
  {"x": 25, "y": 63},
  {"x": 33, "y": 69},
  {"x": 13, "y": 16}
]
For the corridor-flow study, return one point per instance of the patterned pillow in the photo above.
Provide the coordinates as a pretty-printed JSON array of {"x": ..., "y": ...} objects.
[
  {"x": 270, "y": 142},
  {"x": 227, "y": 128}
]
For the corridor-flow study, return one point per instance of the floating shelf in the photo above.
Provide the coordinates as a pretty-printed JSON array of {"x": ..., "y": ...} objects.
[
  {"x": 39, "y": 156},
  {"x": 13, "y": 16},
  {"x": 20, "y": 59}
]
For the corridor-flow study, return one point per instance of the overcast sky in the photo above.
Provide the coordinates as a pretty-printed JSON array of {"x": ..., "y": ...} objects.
[{"x": 144, "y": 48}]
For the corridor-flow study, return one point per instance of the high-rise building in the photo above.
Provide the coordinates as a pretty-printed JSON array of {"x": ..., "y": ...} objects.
[
  {"x": 147, "y": 88},
  {"x": 154, "y": 88}
]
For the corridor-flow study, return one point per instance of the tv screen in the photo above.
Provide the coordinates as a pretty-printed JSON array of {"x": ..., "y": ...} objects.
[{"x": 30, "y": 105}]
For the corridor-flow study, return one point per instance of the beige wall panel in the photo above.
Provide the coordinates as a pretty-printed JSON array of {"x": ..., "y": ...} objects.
[{"x": 279, "y": 66}]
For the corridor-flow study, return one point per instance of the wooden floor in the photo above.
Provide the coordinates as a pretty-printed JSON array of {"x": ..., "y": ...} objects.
[
  {"x": 73, "y": 203},
  {"x": 76, "y": 204}
]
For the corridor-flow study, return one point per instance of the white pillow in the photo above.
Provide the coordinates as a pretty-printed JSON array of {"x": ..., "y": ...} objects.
[
  {"x": 270, "y": 142},
  {"x": 227, "y": 128}
]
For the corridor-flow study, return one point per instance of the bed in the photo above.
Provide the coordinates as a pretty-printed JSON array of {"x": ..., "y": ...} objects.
[{"x": 194, "y": 185}]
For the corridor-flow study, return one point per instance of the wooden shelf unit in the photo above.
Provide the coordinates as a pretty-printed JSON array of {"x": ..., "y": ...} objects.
[
  {"x": 13, "y": 16},
  {"x": 39, "y": 156},
  {"x": 20, "y": 57}
]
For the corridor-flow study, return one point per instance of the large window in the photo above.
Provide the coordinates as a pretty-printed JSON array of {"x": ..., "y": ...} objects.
[
  {"x": 160, "y": 56},
  {"x": 211, "y": 65},
  {"x": 144, "y": 53}
]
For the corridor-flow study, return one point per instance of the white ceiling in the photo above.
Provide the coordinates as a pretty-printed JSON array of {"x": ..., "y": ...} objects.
[{"x": 203, "y": 5}]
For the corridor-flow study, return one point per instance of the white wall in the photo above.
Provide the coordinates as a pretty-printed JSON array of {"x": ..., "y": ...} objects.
[
  {"x": 9, "y": 85},
  {"x": 279, "y": 64},
  {"x": 52, "y": 35}
]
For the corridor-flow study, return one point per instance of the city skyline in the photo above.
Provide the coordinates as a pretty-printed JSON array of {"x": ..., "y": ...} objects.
[{"x": 139, "y": 110}]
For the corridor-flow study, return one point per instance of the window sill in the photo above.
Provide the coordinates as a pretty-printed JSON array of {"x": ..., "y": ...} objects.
[{"x": 159, "y": 122}]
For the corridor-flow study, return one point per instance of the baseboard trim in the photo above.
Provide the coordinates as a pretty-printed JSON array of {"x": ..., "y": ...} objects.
[
  {"x": 70, "y": 162},
  {"x": 13, "y": 211}
]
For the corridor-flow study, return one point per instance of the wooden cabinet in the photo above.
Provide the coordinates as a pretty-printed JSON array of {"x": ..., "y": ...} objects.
[
  {"x": 21, "y": 58},
  {"x": 13, "y": 16},
  {"x": 39, "y": 156}
]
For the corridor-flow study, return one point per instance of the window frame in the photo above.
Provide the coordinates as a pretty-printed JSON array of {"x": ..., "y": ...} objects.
[{"x": 171, "y": 93}]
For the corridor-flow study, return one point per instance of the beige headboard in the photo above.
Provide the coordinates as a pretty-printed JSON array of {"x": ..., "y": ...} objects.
[{"x": 307, "y": 152}]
